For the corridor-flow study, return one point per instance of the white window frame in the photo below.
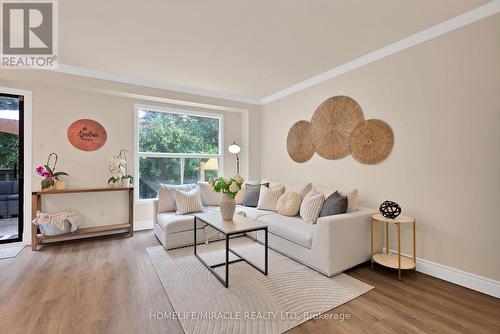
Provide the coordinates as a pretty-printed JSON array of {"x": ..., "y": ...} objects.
[{"x": 182, "y": 156}]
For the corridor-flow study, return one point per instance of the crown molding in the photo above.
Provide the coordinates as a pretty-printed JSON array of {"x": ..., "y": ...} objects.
[
  {"x": 452, "y": 24},
  {"x": 457, "y": 22},
  {"x": 102, "y": 75}
]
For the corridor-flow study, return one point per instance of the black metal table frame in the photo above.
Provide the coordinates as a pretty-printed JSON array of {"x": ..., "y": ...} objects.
[{"x": 226, "y": 263}]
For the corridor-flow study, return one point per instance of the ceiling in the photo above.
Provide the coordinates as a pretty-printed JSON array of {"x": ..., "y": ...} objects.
[{"x": 250, "y": 48}]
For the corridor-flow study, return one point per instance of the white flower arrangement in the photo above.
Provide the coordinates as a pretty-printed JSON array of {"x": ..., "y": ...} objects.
[
  {"x": 228, "y": 186},
  {"x": 117, "y": 166}
]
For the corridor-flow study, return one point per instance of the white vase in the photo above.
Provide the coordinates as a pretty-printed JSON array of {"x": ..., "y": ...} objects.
[{"x": 227, "y": 207}]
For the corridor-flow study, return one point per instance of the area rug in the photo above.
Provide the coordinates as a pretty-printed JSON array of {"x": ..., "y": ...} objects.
[
  {"x": 291, "y": 294},
  {"x": 8, "y": 252}
]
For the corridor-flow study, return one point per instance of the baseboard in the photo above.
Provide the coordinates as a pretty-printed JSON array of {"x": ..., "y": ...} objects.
[
  {"x": 457, "y": 276},
  {"x": 144, "y": 225}
]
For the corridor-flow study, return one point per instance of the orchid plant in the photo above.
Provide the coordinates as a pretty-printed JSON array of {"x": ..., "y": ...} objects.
[
  {"x": 49, "y": 173},
  {"x": 117, "y": 166},
  {"x": 230, "y": 186}
]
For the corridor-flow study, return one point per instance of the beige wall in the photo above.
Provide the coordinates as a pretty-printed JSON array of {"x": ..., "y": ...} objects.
[
  {"x": 58, "y": 100},
  {"x": 442, "y": 99}
]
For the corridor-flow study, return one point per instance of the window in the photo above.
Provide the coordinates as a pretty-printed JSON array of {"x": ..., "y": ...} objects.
[{"x": 176, "y": 147}]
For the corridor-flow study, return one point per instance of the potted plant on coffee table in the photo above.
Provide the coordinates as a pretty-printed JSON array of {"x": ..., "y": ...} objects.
[{"x": 229, "y": 189}]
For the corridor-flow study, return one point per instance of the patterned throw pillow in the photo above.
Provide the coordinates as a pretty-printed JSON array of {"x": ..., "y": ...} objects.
[
  {"x": 311, "y": 206},
  {"x": 269, "y": 197},
  {"x": 188, "y": 201},
  {"x": 335, "y": 204},
  {"x": 166, "y": 195}
]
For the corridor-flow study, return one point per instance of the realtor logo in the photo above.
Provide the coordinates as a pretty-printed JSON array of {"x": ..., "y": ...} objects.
[{"x": 29, "y": 34}]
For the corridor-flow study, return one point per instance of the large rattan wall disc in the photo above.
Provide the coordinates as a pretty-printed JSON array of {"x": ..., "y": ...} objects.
[
  {"x": 332, "y": 124},
  {"x": 371, "y": 142},
  {"x": 298, "y": 142}
]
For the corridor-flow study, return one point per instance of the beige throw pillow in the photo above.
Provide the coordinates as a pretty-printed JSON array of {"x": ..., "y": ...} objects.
[
  {"x": 188, "y": 201},
  {"x": 302, "y": 189},
  {"x": 311, "y": 206},
  {"x": 240, "y": 196},
  {"x": 352, "y": 199},
  {"x": 289, "y": 204},
  {"x": 166, "y": 195},
  {"x": 209, "y": 197},
  {"x": 268, "y": 198}
]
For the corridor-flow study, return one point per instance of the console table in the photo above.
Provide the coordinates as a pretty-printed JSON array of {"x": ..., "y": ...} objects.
[{"x": 36, "y": 205}]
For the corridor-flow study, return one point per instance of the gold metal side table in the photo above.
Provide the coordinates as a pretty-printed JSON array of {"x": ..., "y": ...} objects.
[{"x": 395, "y": 261}]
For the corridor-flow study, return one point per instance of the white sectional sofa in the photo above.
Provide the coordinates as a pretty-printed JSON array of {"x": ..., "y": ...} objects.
[{"x": 332, "y": 245}]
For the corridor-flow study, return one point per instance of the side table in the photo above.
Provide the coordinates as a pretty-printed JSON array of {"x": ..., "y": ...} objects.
[{"x": 395, "y": 261}]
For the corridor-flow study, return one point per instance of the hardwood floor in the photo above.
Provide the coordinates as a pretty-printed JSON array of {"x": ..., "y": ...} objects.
[{"x": 108, "y": 285}]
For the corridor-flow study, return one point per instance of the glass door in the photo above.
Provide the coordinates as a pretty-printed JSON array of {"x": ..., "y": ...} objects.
[{"x": 11, "y": 167}]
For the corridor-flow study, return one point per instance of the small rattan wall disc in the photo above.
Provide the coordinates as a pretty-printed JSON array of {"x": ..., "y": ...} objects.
[
  {"x": 371, "y": 142},
  {"x": 298, "y": 142},
  {"x": 332, "y": 124}
]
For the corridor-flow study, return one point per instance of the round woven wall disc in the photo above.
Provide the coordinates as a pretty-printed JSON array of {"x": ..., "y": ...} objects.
[
  {"x": 298, "y": 142},
  {"x": 371, "y": 142},
  {"x": 332, "y": 124}
]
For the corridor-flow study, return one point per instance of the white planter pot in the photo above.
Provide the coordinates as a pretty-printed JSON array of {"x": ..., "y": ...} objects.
[
  {"x": 126, "y": 183},
  {"x": 227, "y": 207}
]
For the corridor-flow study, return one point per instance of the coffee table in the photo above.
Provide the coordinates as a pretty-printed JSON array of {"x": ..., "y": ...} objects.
[{"x": 231, "y": 229}]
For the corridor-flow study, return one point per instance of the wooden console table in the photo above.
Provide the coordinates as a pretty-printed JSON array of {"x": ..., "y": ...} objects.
[{"x": 36, "y": 205}]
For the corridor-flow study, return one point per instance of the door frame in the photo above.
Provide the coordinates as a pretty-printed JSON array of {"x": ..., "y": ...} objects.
[{"x": 27, "y": 172}]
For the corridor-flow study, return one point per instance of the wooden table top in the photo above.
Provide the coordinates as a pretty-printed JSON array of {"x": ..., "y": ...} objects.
[
  {"x": 398, "y": 219},
  {"x": 239, "y": 224},
  {"x": 79, "y": 190}
]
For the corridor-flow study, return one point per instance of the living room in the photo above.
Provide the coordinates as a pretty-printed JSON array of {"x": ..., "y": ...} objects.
[{"x": 250, "y": 167}]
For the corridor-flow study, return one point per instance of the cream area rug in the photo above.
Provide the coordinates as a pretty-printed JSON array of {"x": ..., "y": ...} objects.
[{"x": 291, "y": 294}]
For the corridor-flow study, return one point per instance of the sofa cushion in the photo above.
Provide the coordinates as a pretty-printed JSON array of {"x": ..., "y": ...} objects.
[
  {"x": 13, "y": 197},
  {"x": 268, "y": 198},
  {"x": 253, "y": 213},
  {"x": 352, "y": 195},
  {"x": 302, "y": 189},
  {"x": 170, "y": 222},
  {"x": 6, "y": 187},
  {"x": 166, "y": 195},
  {"x": 352, "y": 199},
  {"x": 208, "y": 195},
  {"x": 289, "y": 204},
  {"x": 335, "y": 204},
  {"x": 311, "y": 206},
  {"x": 15, "y": 188},
  {"x": 188, "y": 201},
  {"x": 252, "y": 192},
  {"x": 240, "y": 196},
  {"x": 293, "y": 229}
]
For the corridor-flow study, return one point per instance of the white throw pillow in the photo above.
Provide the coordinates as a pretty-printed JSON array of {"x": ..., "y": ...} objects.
[
  {"x": 352, "y": 199},
  {"x": 209, "y": 197},
  {"x": 268, "y": 198},
  {"x": 311, "y": 206},
  {"x": 166, "y": 195},
  {"x": 240, "y": 196},
  {"x": 302, "y": 189},
  {"x": 289, "y": 204},
  {"x": 188, "y": 201}
]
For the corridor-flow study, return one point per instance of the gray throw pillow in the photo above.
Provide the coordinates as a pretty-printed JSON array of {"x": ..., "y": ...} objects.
[
  {"x": 335, "y": 204},
  {"x": 252, "y": 193}
]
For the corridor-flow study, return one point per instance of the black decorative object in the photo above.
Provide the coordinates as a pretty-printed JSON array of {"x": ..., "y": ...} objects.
[{"x": 390, "y": 209}]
